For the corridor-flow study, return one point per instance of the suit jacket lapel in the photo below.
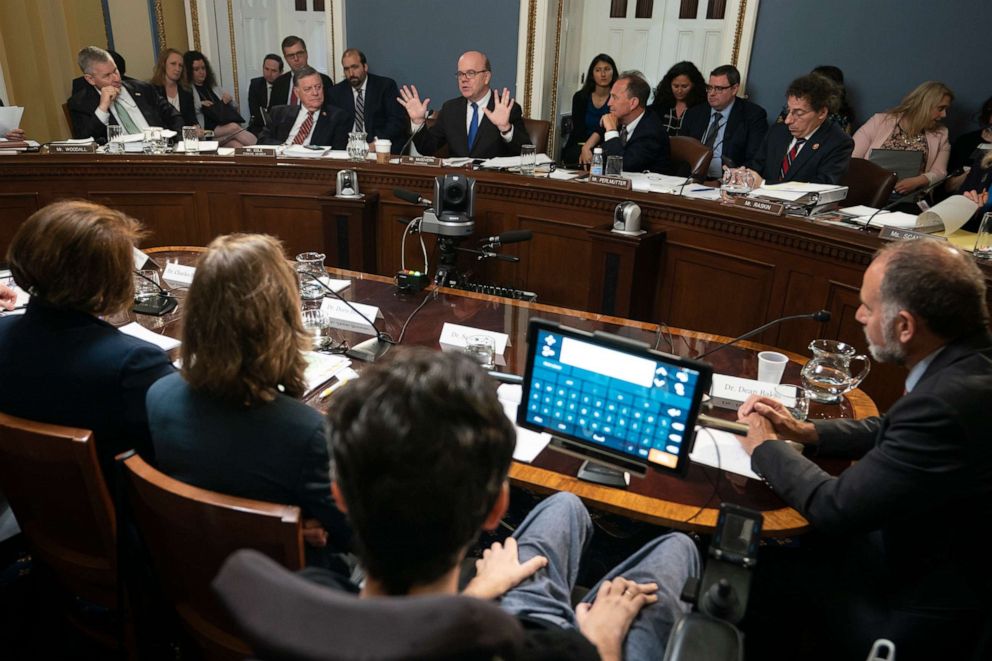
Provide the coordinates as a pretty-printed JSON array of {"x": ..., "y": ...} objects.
[
  {"x": 458, "y": 134},
  {"x": 812, "y": 145},
  {"x": 487, "y": 130},
  {"x": 321, "y": 132}
]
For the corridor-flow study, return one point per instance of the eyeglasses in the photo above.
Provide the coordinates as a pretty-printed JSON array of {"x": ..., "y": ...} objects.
[
  {"x": 798, "y": 113},
  {"x": 469, "y": 75},
  {"x": 718, "y": 88},
  {"x": 296, "y": 55}
]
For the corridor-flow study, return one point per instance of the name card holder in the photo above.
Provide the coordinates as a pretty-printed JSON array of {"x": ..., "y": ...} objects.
[
  {"x": 256, "y": 152},
  {"x": 432, "y": 161},
  {"x": 890, "y": 233},
  {"x": 179, "y": 274},
  {"x": 56, "y": 148},
  {"x": 614, "y": 182},
  {"x": 771, "y": 208}
]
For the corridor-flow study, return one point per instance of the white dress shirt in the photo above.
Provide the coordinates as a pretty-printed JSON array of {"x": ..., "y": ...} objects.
[
  {"x": 300, "y": 118},
  {"x": 126, "y": 101}
]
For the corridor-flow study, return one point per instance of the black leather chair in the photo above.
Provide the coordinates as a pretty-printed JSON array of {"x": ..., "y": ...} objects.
[{"x": 867, "y": 184}]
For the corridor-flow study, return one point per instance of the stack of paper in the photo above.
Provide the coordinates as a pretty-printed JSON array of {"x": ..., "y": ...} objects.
[
  {"x": 321, "y": 368},
  {"x": 134, "y": 329},
  {"x": 529, "y": 443}
]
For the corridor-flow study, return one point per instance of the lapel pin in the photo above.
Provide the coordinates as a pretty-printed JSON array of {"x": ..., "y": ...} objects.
[{"x": 816, "y": 146}]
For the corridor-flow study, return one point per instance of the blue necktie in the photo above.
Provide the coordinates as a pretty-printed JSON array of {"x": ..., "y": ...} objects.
[{"x": 473, "y": 127}]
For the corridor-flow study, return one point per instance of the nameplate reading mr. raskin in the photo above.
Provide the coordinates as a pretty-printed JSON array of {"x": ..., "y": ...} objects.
[
  {"x": 773, "y": 208},
  {"x": 615, "y": 182}
]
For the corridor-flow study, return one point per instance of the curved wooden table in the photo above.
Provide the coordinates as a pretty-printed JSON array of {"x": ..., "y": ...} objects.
[{"x": 688, "y": 504}]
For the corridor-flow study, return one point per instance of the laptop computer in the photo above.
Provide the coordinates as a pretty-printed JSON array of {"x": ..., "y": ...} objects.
[{"x": 904, "y": 163}]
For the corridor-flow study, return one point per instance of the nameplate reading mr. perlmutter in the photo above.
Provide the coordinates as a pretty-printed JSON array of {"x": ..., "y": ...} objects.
[
  {"x": 773, "y": 208},
  {"x": 615, "y": 182}
]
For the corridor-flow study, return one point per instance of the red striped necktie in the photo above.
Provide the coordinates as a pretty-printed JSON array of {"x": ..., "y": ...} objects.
[
  {"x": 304, "y": 131},
  {"x": 791, "y": 156}
]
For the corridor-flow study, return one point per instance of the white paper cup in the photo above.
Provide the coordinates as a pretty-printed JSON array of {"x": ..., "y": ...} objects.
[
  {"x": 771, "y": 366},
  {"x": 382, "y": 149}
]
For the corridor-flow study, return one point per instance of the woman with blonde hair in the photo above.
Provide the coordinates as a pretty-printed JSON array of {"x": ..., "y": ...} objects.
[
  {"x": 232, "y": 420},
  {"x": 167, "y": 78},
  {"x": 60, "y": 362},
  {"x": 913, "y": 125}
]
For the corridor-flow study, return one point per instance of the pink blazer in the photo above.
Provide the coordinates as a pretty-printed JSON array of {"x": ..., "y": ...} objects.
[{"x": 878, "y": 129}]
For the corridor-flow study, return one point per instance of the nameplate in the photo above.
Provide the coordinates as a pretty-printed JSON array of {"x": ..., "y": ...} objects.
[
  {"x": 729, "y": 392},
  {"x": 256, "y": 152},
  {"x": 55, "y": 148},
  {"x": 772, "y": 208},
  {"x": 179, "y": 273},
  {"x": 890, "y": 233},
  {"x": 339, "y": 315},
  {"x": 432, "y": 161},
  {"x": 453, "y": 335},
  {"x": 614, "y": 182}
]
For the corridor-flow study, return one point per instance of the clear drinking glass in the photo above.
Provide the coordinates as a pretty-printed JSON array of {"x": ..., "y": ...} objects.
[
  {"x": 614, "y": 166},
  {"x": 114, "y": 134},
  {"x": 483, "y": 349},
  {"x": 152, "y": 137},
  {"x": 983, "y": 242},
  {"x": 358, "y": 146},
  {"x": 310, "y": 267},
  {"x": 795, "y": 399},
  {"x": 528, "y": 160},
  {"x": 146, "y": 285},
  {"x": 191, "y": 140}
]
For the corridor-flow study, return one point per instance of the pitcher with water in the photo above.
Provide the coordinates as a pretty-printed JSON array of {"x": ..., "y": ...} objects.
[{"x": 828, "y": 375}]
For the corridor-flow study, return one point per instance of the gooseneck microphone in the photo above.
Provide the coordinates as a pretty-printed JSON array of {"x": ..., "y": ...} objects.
[
  {"x": 419, "y": 129},
  {"x": 512, "y": 236},
  {"x": 159, "y": 305},
  {"x": 819, "y": 315},
  {"x": 371, "y": 348}
]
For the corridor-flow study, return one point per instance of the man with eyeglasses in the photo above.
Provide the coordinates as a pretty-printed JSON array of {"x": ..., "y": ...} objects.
[
  {"x": 732, "y": 127},
  {"x": 312, "y": 122},
  {"x": 369, "y": 101},
  {"x": 294, "y": 51},
  {"x": 482, "y": 123},
  {"x": 808, "y": 146}
]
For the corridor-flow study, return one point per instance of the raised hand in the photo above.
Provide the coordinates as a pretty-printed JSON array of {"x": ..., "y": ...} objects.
[
  {"x": 409, "y": 98},
  {"x": 500, "y": 114}
]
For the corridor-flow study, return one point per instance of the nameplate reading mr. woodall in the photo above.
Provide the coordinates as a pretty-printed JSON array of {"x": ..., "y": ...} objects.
[
  {"x": 615, "y": 182},
  {"x": 773, "y": 208},
  {"x": 57, "y": 148}
]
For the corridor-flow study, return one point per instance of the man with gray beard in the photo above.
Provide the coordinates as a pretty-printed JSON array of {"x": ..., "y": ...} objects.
[{"x": 894, "y": 554}]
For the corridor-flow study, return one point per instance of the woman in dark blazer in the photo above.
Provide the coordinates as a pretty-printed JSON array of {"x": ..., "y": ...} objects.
[
  {"x": 589, "y": 104},
  {"x": 232, "y": 420},
  {"x": 682, "y": 88},
  {"x": 167, "y": 79},
  {"x": 60, "y": 362}
]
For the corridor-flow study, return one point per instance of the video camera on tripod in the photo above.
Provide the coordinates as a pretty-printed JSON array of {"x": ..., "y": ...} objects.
[{"x": 451, "y": 218}]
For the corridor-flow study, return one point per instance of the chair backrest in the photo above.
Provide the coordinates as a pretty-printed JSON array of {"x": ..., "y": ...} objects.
[
  {"x": 538, "y": 131},
  {"x": 690, "y": 156},
  {"x": 68, "y": 117},
  {"x": 285, "y": 616},
  {"x": 189, "y": 532},
  {"x": 53, "y": 482},
  {"x": 867, "y": 184}
]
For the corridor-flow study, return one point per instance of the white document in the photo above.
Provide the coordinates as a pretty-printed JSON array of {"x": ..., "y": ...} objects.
[
  {"x": 10, "y": 118},
  {"x": 562, "y": 174},
  {"x": 529, "y": 443},
  {"x": 302, "y": 151},
  {"x": 722, "y": 450},
  {"x": 456, "y": 162},
  {"x": 73, "y": 141},
  {"x": 512, "y": 161},
  {"x": 205, "y": 146},
  {"x": 321, "y": 368},
  {"x": 952, "y": 213},
  {"x": 337, "y": 155},
  {"x": 134, "y": 329},
  {"x": 225, "y": 151},
  {"x": 697, "y": 192}
]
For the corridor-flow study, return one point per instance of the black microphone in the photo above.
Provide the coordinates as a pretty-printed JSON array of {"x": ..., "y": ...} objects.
[
  {"x": 371, "y": 348},
  {"x": 819, "y": 315},
  {"x": 513, "y": 236},
  {"x": 411, "y": 197},
  {"x": 419, "y": 129},
  {"x": 910, "y": 195},
  {"x": 162, "y": 304}
]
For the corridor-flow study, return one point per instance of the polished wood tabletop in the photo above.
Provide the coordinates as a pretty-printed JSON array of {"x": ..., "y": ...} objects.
[{"x": 689, "y": 504}]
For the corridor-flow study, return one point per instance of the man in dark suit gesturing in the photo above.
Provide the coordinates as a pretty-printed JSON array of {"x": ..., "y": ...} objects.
[
  {"x": 369, "y": 101},
  {"x": 260, "y": 89},
  {"x": 903, "y": 563},
  {"x": 482, "y": 123},
  {"x": 294, "y": 50},
  {"x": 732, "y": 127},
  {"x": 808, "y": 146},
  {"x": 109, "y": 100},
  {"x": 311, "y": 123}
]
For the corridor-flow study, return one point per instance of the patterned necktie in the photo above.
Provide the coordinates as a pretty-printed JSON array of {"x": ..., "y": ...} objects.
[
  {"x": 473, "y": 127},
  {"x": 623, "y": 136},
  {"x": 125, "y": 119},
  {"x": 360, "y": 112},
  {"x": 304, "y": 131},
  {"x": 711, "y": 132},
  {"x": 790, "y": 156}
]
